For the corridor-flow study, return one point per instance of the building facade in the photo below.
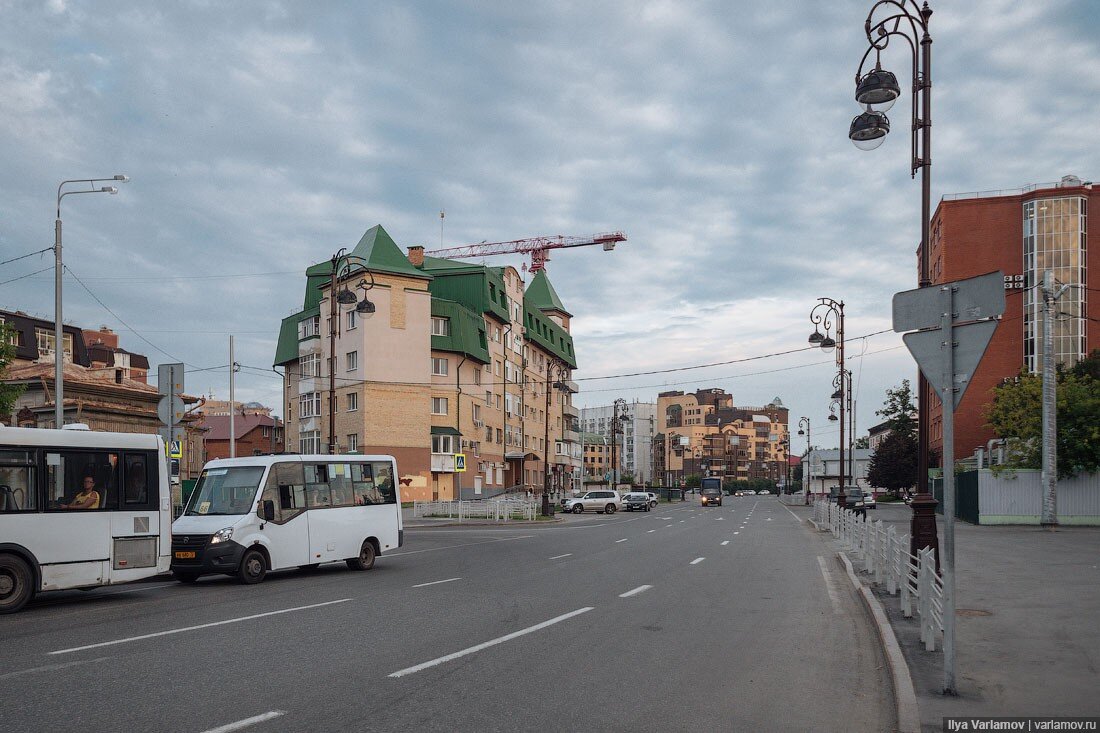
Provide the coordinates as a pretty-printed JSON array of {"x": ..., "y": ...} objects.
[
  {"x": 635, "y": 443},
  {"x": 457, "y": 369},
  {"x": 1022, "y": 233},
  {"x": 821, "y": 469},
  {"x": 255, "y": 435}
]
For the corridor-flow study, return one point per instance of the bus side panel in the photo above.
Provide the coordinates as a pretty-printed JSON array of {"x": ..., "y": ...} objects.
[{"x": 75, "y": 575}]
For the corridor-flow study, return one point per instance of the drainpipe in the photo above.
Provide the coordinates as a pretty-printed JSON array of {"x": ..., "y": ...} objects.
[{"x": 458, "y": 422}]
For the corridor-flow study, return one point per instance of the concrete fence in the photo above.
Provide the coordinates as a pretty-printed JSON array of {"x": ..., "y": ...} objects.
[
  {"x": 499, "y": 510},
  {"x": 1016, "y": 497}
]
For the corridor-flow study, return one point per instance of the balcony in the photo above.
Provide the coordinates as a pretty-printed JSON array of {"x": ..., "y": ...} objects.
[
  {"x": 443, "y": 463},
  {"x": 572, "y": 386},
  {"x": 571, "y": 436},
  {"x": 571, "y": 411}
]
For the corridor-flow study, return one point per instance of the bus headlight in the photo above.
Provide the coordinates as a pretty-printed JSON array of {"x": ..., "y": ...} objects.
[{"x": 222, "y": 535}]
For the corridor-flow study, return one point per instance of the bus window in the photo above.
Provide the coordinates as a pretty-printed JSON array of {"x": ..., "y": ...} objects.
[
  {"x": 383, "y": 479},
  {"x": 318, "y": 494},
  {"x": 17, "y": 484},
  {"x": 339, "y": 482},
  {"x": 225, "y": 491},
  {"x": 286, "y": 489},
  {"x": 81, "y": 481},
  {"x": 137, "y": 480}
]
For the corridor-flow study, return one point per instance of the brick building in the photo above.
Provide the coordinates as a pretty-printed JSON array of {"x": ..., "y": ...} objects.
[
  {"x": 255, "y": 434},
  {"x": 1021, "y": 233}
]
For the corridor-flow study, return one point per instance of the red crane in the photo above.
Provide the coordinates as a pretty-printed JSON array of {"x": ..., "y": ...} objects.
[{"x": 538, "y": 247}]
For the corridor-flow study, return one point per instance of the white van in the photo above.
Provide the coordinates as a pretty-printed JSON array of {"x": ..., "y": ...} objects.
[{"x": 247, "y": 516}]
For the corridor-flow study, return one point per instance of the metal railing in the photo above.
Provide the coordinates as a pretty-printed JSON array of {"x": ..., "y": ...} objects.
[
  {"x": 885, "y": 555},
  {"x": 498, "y": 510}
]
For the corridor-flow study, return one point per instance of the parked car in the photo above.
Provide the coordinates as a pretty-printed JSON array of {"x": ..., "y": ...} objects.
[
  {"x": 636, "y": 500},
  {"x": 652, "y": 499},
  {"x": 603, "y": 501},
  {"x": 869, "y": 500}
]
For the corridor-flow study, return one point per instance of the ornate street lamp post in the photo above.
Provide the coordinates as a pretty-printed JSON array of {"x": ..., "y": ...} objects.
[
  {"x": 553, "y": 365},
  {"x": 804, "y": 429},
  {"x": 876, "y": 91},
  {"x": 342, "y": 263},
  {"x": 827, "y": 313}
]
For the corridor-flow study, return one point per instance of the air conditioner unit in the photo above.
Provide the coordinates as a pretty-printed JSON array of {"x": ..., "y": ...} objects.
[{"x": 479, "y": 423}]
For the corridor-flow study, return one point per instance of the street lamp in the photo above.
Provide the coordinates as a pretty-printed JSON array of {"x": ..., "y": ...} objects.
[
  {"x": 805, "y": 475},
  {"x": 876, "y": 90},
  {"x": 58, "y": 267},
  {"x": 562, "y": 369},
  {"x": 342, "y": 263},
  {"x": 616, "y": 429},
  {"x": 826, "y": 313}
]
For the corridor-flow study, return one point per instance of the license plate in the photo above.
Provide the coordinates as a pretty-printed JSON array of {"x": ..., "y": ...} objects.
[{"x": 185, "y": 556}]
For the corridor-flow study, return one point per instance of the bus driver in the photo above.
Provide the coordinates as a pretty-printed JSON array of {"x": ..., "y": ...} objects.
[{"x": 88, "y": 498}]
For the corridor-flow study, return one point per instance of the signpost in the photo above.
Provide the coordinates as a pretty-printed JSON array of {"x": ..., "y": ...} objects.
[
  {"x": 170, "y": 411},
  {"x": 957, "y": 322}
]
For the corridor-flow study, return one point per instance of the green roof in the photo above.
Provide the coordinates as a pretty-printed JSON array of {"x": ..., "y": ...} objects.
[
  {"x": 479, "y": 288},
  {"x": 467, "y": 331},
  {"x": 541, "y": 294},
  {"x": 444, "y": 430},
  {"x": 287, "y": 348},
  {"x": 550, "y": 336}
]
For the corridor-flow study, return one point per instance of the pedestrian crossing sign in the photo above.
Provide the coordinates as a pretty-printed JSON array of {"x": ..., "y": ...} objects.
[{"x": 175, "y": 449}]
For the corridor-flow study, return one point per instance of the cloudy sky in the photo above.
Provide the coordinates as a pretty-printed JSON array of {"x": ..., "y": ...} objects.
[{"x": 261, "y": 137}]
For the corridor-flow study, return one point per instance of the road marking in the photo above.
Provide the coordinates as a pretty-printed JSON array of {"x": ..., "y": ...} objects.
[
  {"x": 195, "y": 628},
  {"x": 50, "y": 668},
  {"x": 793, "y": 514},
  {"x": 834, "y": 596},
  {"x": 769, "y": 519},
  {"x": 725, "y": 542},
  {"x": 465, "y": 544},
  {"x": 493, "y": 642},
  {"x": 652, "y": 530},
  {"x": 697, "y": 560},
  {"x": 622, "y": 540},
  {"x": 667, "y": 526},
  {"x": 436, "y": 582},
  {"x": 682, "y": 521},
  {"x": 737, "y": 533},
  {"x": 246, "y": 722},
  {"x": 636, "y": 591},
  {"x": 559, "y": 557}
]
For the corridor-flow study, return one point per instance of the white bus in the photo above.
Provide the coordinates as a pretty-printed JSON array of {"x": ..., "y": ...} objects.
[
  {"x": 247, "y": 516},
  {"x": 80, "y": 509}
]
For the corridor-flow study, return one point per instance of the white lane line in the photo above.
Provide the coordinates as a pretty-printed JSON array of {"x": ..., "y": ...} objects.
[
  {"x": 622, "y": 540},
  {"x": 793, "y": 514},
  {"x": 465, "y": 544},
  {"x": 195, "y": 628},
  {"x": 559, "y": 557},
  {"x": 737, "y": 533},
  {"x": 246, "y": 722},
  {"x": 720, "y": 519},
  {"x": 493, "y": 642},
  {"x": 50, "y": 668},
  {"x": 436, "y": 582},
  {"x": 725, "y": 542},
  {"x": 636, "y": 591},
  {"x": 769, "y": 519},
  {"x": 667, "y": 526},
  {"x": 834, "y": 596},
  {"x": 681, "y": 521},
  {"x": 651, "y": 530},
  {"x": 697, "y": 560}
]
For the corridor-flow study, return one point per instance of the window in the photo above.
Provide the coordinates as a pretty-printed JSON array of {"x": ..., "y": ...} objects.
[
  {"x": 136, "y": 491},
  {"x": 352, "y": 319},
  {"x": 353, "y": 401},
  {"x": 488, "y": 398},
  {"x": 309, "y": 442},
  {"x": 477, "y": 413},
  {"x": 309, "y": 404},
  {"x": 18, "y": 485},
  {"x": 318, "y": 492},
  {"x": 500, "y": 436},
  {"x": 309, "y": 327},
  {"x": 352, "y": 360},
  {"x": 443, "y": 444},
  {"x": 477, "y": 376},
  {"x": 496, "y": 367},
  {"x": 84, "y": 480},
  {"x": 46, "y": 341},
  {"x": 439, "y": 405},
  {"x": 353, "y": 442},
  {"x": 441, "y": 326},
  {"x": 440, "y": 367}
]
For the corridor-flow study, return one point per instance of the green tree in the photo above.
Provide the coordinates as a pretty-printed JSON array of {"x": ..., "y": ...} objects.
[
  {"x": 9, "y": 393},
  {"x": 1016, "y": 415},
  {"x": 899, "y": 411},
  {"x": 691, "y": 481},
  {"x": 893, "y": 465}
]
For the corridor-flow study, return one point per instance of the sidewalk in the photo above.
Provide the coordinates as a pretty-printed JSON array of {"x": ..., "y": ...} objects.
[{"x": 1027, "y": 610}]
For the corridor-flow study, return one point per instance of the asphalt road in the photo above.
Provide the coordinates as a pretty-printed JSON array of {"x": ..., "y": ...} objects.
[{"x": 680, "y": 619}]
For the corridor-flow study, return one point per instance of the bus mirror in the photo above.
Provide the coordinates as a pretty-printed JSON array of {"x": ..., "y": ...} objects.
[{"x": 267, "y": 510}]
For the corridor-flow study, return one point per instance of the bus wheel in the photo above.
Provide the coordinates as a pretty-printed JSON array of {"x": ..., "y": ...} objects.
[
  {"x": 186, "y": 577},
  {"x": 365, "y": 561},
  {"x": 16, "y": 583},
  {"x": 253, "y": 567}
]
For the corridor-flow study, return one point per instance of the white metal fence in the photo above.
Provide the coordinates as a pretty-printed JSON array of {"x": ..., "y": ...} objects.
[
  {"x": 885, "y": 555},
  {"x": 499, "y": 510}
]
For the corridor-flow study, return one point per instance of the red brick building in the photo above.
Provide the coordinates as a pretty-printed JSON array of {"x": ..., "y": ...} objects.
[
  {"x": 1022, "y": 233},
  {"x": 255, "y": 435}
]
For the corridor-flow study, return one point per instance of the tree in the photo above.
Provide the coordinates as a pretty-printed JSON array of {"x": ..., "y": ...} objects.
[
  {"x": 626, "y": 477},
  {"x": 692, "y": 480},
  {"x": 9, "y": 393},
  {"x": 1016, "y": 415},
  {"x": 900, "y": 414},
  {"x": 894, "y": 464}
]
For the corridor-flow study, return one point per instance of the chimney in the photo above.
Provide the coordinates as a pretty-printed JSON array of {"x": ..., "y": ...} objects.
[{"x": 416, "y": 256}]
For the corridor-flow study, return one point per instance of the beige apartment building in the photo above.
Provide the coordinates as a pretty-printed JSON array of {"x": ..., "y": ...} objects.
[
  {"x": 447, "y": 371},
  {"x": 704, "y": 434}
]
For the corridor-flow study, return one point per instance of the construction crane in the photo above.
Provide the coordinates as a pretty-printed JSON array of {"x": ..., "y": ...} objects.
[{"x": 538, "y": 247}]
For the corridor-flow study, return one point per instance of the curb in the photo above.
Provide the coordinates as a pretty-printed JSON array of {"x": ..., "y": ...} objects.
[{"x": 905, "y": 696}]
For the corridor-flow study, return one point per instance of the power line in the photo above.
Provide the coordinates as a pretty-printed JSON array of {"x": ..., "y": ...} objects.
[
  {"x": 23, "y": 257},
  {"x": 29, "y": 274}
]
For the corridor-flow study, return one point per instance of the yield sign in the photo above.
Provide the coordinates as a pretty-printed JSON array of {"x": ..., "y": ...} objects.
[
  {"x": 974, "y": 299},
  {"x": 927, "y": 347}
]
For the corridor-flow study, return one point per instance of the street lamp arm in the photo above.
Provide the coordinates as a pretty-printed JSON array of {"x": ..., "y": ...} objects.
[
  {"x": 906, "y": 10},
  {"x": 884, "y": 39},
  {"x": 90, "y": 182},
  {"x": 825, "y": 312}
]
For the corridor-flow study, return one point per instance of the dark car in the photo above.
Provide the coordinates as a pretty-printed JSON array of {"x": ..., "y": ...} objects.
[
  {"x": 636, "y": 500},
  {"x": 711, "y": 497}
]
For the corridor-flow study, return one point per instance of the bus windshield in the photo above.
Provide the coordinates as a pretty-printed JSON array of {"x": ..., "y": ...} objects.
[{"x": 229, "y": 490}]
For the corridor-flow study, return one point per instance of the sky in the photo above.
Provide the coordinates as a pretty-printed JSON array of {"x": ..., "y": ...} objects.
[{"x": 261, "y": 137}]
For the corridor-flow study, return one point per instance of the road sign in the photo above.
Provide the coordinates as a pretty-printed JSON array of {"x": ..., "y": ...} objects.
[
  {"x": 460, "y": 462},
  {"x": 171, "y": 434},
  {"x": 170, "y": 386},
  {"x": 175, "y": 449},
  {"x": 975, "y": 298},
  {"x": 927, "y": 347}
]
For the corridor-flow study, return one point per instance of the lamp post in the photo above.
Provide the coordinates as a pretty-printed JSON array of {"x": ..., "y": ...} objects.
[
  {"x": 551, "y": 366},
  {"x": 616, "y": 429},
  {"x": 58, "y": 268},
  {"x": 877, "y": 90},
  {"x": 826, "y": 313},
  {"x": 805, "y": 469},
  {"x": 342, "y": 263}
]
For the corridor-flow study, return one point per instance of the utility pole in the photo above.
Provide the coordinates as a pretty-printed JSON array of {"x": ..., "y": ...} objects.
[
  {"x": 1050, "y": 406},
  {"x": 232, "y": 426}
]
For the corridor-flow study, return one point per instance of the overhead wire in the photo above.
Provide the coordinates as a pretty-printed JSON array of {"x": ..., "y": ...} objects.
[
  {"x": 29, "y": 274},
  {"x": 23, "y": 257}
]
